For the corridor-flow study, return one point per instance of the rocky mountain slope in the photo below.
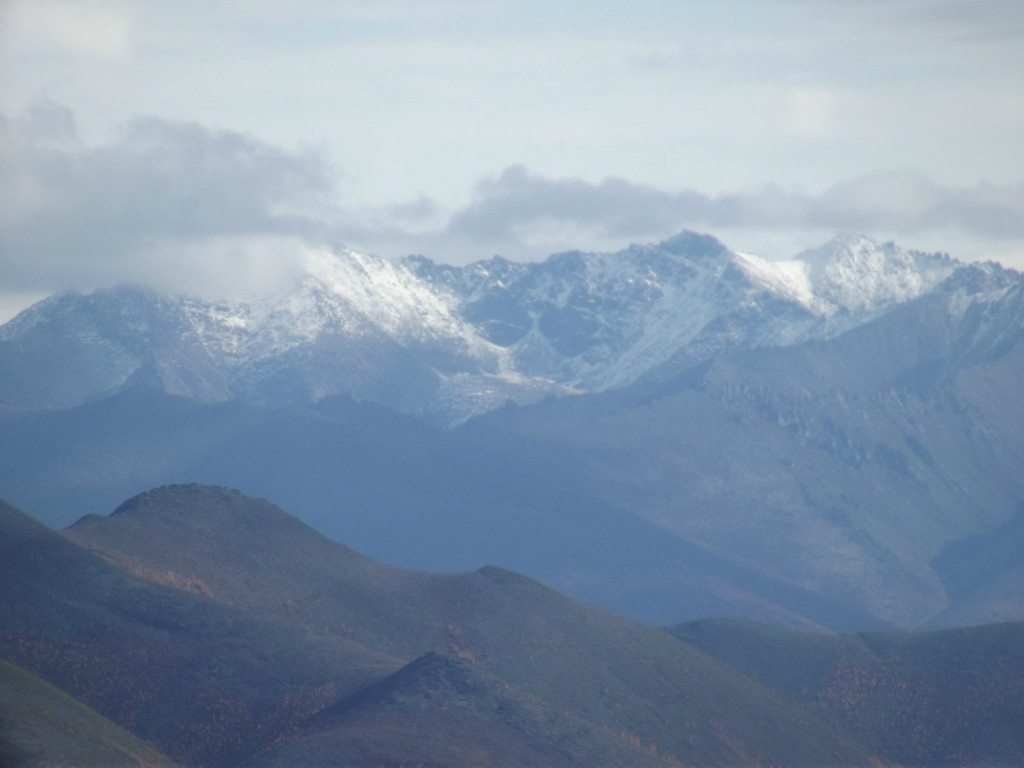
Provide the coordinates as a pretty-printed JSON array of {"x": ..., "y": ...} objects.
[
  {"x": 448, "y": 342},
  {"x": 846, "y": 466}
]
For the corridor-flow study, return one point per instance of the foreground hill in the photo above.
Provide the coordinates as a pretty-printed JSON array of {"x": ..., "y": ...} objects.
[
  {"x": 228, "y": 633},
  {"x": 950, "y": 697},
  {"x": 205, "y": 683}
]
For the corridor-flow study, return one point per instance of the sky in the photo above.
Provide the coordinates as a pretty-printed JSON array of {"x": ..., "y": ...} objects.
[{"x": 202, "y": 147}]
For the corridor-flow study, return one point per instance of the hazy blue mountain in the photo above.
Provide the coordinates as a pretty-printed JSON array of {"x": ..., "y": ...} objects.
[
  {"x": 834, "y": 441},
  {"x": 847, "y": 466},
  {"x": 393, "y": 487}
]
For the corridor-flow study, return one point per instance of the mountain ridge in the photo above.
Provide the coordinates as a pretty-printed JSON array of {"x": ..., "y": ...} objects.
[{"x": 462, "y": 339}]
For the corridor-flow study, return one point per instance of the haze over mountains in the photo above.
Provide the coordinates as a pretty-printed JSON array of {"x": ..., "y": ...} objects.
[{"x": 830, "y": 442}]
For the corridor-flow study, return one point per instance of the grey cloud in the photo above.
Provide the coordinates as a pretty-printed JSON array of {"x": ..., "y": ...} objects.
[
  {"x": 164, "y": 201},
  {"x": 75, "y": 215},
  {"x": 911, "y": 203},
  {"x": 517, "y": 199},
  {"x": 418, "y": 210},
  {"x": 900, "y": 202}
]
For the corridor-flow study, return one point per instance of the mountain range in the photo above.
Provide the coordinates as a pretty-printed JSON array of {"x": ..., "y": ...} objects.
[
  {"x": 671, "y": 432},
  {"x": 221, "y": 631},
  {"x": 448, "y": 342}
]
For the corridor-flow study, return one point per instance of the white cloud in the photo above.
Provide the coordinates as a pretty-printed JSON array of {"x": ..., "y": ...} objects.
[
  {"x": 78, "y": 216},
  {"x": 208, "y": 211}
]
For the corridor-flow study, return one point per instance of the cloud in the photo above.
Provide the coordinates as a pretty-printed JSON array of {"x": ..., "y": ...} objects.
[
  {"x": 911, "y": 203},
  {"x": 197, "y": 210},
  {"x": 79, "y": 216},
  {"x": 516, "y": 201}
]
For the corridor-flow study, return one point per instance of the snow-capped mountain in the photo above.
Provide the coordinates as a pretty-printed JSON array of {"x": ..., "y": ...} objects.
[
  {"x": 832, "y": 440},
  {"x": 447, "y": 342}
]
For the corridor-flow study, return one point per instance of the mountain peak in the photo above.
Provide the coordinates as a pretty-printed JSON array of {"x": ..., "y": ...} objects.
[
  {"x": 202, "y": 509},
  {"x": 854, "y": 272},
  {"x": 186, "y": 495}
]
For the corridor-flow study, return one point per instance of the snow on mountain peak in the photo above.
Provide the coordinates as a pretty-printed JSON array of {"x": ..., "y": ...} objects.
[
  {"x": 383, "y": 291},
  {"x": 856, "y": 273},
  {"x": 789, "y": 279},
  {"x": 468, "y": 338}
]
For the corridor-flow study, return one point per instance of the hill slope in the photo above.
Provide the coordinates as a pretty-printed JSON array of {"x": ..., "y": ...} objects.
[
  {"x": 205, "y": 683},
  {"x": 42, "y": 726},
  {"x": 526, "y": 648},
  {"x": 950, "y": 697}
]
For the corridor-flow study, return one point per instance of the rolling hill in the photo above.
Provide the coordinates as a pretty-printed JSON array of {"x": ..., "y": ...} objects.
[{"x": 228, "y": 633}]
